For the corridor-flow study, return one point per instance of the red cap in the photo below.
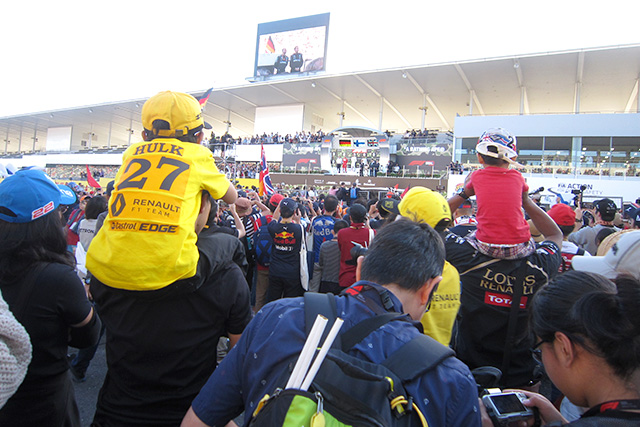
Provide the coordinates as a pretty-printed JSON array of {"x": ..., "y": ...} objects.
[
  {"x": 275, "y": 199},
  {"x": 562, "y": 214}
]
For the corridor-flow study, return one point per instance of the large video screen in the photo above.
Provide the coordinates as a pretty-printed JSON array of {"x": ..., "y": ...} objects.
[{"x": 292, "y": 47}]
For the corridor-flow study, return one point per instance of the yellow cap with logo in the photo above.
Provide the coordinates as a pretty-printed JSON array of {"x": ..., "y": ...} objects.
[
  {"x": 181, "y": 111},
  {"x": 420, "y": 204}
]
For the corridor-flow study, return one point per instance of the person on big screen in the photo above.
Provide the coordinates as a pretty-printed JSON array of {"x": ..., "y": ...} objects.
[
  {"x": 587, "y": 332},
  {"x": 502, "y": 231}
]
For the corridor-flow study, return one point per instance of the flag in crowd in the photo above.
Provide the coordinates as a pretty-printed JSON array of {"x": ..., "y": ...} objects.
[
  {"x": 90, "y": 180},
  {"x": 264, "y": 186}
]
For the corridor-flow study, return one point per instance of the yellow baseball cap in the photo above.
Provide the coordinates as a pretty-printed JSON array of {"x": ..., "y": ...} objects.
[
  {"x": 420, "y": 204},
  {"x": 181, "y": 110}
]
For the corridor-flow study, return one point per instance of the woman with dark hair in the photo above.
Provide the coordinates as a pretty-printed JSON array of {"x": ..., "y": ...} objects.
[
  {"x": 588, "y": 338},
  {"x": 38, "y": 281}
]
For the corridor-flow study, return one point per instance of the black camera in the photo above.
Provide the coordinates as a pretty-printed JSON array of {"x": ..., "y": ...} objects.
[
  {"x": 577, "y": 193},
  {"x": 505, "y": 408},
  {"x": 356, "y": 252}
]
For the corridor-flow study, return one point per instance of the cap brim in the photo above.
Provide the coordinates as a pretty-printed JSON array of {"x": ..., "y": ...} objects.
[
  {"x": 593, "y": 264},
  {"x": 207, "y": 126},
  {"x": 67, "y": 196}
]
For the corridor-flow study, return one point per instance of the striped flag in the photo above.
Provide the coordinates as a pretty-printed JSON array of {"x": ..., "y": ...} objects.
[
  {"x": 204, "y": 98},
  {"x": 270, "y": 47},
  {"x": 264, "y": 186}
]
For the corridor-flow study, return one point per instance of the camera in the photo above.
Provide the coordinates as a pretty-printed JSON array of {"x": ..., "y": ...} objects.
[
  {"x": 356, "y": 252},
  {"x": 577, "y": 193},
  {"x": 505, "y": 408}
]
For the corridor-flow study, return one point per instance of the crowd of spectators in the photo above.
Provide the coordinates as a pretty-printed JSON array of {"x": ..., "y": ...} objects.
[
  {"x": 77, "y": 172},
  {"x": 303, "y": 137}
]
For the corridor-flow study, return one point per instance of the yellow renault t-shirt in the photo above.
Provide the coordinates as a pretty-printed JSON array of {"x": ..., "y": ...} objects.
[
  {"x": 148, "y": 239},
  {"x": 438, "y": 321}
]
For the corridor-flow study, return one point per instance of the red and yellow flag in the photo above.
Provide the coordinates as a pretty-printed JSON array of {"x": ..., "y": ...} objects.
[{"x": 270, "y": 47}]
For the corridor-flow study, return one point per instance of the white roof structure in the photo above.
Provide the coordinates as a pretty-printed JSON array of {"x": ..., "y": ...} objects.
[{"x": 599, "y": 80}]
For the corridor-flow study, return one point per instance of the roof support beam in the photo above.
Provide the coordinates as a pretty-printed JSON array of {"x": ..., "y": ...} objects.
[
  {"x": 345, "y": 103},
  {"x": 385, "y": 100},
  {"x": 633, "y": 96},
  {"x": 239, "y": 97},
  {"x": 276, "y": 88},
  {"x": 524, "y": 100},
  {"x": 578, "y": 86},
  {"x": 427, "y": 98},
  {"x": 473, "y": 98}
]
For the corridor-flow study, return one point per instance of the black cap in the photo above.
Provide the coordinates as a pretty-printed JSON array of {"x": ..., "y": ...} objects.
[
  {"x": 288, "y": 207},
  {"x": 387, "y": 206},
  {"x": 607, "y": 209},
  {"x": 357, "y": 213}
]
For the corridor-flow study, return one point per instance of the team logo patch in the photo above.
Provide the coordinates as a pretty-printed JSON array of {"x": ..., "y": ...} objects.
[{"x": 502, "y": 300}]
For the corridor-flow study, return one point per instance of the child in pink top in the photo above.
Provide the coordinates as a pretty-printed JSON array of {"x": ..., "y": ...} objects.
[{"x": 502, "y": 230}]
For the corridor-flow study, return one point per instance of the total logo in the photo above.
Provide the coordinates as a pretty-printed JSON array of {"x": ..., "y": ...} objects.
[{"x": 502, "y": 300}]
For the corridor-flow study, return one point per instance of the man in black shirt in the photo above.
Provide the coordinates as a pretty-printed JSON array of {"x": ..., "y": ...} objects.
[
  {"x": 161, "y": 345},
  {"x": 281, "y": 62},
  {"x": 296, "y": 61},
  {"x": 287, "y": 235}
]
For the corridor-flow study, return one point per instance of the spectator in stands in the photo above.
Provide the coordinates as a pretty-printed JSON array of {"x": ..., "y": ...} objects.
[
  {"x": 38, "y": 282},
  {"x": 491, "y": 290},
  {"x": 357, "y": 233},
  {"x": 565, "y": 218},
  {"x": 605, "y": 212},
  {"x": 588, "y": 337}
]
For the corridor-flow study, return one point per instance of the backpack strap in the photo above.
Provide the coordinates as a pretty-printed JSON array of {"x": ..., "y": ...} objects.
[
  {"x": 416, "y": 357},
  {"x": 324, "y": 304},
  {"x": 361, "y": 330}
]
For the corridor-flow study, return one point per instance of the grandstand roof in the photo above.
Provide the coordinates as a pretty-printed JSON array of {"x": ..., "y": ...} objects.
[{"x": 597, "y": 80}]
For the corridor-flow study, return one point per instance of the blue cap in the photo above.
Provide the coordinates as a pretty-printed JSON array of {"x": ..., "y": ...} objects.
[{"x": 30, "y": 194}]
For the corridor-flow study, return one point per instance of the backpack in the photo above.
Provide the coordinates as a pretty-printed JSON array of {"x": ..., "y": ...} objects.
[
  {"x": 353, "y": 193},
  {"x": 349, "y": 391},
  {"x": 261, "y": 241}
]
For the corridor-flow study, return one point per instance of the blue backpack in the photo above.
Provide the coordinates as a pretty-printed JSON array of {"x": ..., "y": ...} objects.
[{"x": 261, "y": 241}]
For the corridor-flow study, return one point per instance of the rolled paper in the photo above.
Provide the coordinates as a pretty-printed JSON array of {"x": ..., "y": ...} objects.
[
  {"x": 328, "y": 342},
  {"x": 310, "y": 345}
]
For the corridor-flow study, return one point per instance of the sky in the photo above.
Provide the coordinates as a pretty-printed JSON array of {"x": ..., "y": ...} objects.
[{"x": 65, "y": 54}]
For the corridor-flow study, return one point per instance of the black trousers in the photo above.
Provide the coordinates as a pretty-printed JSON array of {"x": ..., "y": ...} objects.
[{"x": 283, "y": 287}]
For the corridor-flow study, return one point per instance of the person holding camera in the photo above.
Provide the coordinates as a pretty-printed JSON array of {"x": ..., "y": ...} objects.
[
  {"x": 605, "y": 213},
  {"x": 588, "y": 339}
]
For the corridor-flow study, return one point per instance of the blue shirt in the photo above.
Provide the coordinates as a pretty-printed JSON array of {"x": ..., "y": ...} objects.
[
  {"x": 446, "y": 395},
  {"x": 321, "y": 227}
]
